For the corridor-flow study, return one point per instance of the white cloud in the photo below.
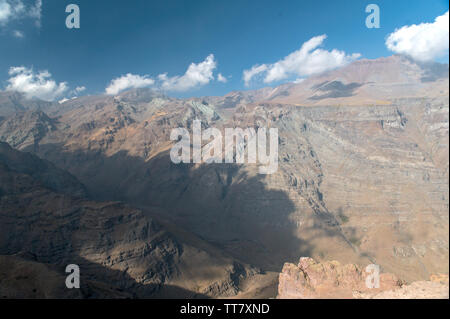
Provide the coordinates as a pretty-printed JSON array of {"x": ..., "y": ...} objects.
[
  {"x": 196, "y": 75},
  {"x": 299, "y": 80},
  {"x": 221, "y": 78},
  {"x": 423, "y": 42},
  {"x": 254, "y": 71},
  {"x": 79, "y": 89},
  {"x": 128, "y": 81},
  {"x": 18, "y": 34},
  {"x": 39, "y": 85},
  {"x": 36, "y": 12},
  {"x": 66, "y": 99},
  {"x": 73, "y": 94},
  {"x": 5, "y": 11},
  {"x": 306, "y": 61},
  {"x": 16, "y": 10},
  {"x": 9, "y": 10}
]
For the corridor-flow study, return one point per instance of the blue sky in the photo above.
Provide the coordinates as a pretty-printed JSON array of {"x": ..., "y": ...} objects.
[{"x": 148, "y": 38}]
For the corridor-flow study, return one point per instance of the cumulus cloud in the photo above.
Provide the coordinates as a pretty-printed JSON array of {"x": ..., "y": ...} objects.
[
  {"x": 79, "y": 89},
  {"x": 221, "y": 78},
  {"x": 128, "y": 81},
  {"x": 36, "y": 12},
  {"x": 15, "y": 10},
  {"x": 73, "y": 94},
  {"x": 423, "y": 42},
  {"x": 196, "y": 75},
  {"x": 9, "y": 10},
  {"x": 39, "y": 85},
  {"x": 306, "y": 61},
  {"x": 18, "y": 34}
]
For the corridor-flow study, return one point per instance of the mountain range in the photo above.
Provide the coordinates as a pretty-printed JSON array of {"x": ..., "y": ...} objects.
[{"x": 362, "y": 178}]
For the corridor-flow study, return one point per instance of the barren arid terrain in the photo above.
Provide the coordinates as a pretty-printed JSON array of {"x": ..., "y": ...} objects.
[{"x": 362, "y": 179}]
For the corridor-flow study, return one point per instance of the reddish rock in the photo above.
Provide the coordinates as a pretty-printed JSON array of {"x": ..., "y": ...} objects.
[{"x": 311, "y": 279}]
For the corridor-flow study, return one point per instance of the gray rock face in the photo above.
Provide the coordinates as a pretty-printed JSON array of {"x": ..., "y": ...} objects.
[
  {"x": 379, "y": 178},
  {"x": 26, "y": 129},
  {"x": 13, "y": 102}
]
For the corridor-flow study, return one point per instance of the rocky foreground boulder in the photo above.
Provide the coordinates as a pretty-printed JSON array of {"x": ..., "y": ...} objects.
[{"x": 332, "y": 280}]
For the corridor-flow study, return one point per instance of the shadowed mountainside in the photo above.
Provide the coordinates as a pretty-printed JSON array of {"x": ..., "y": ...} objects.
[{"x": 124, "y": 250}]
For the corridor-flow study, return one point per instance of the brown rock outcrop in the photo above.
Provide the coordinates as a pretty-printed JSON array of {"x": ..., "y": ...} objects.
[
  {"x": 310, "y": 280},
  {"x": 332, "y": 280}
]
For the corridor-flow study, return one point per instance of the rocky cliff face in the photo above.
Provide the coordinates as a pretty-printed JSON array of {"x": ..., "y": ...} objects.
[
  {"x": 13, "y": 102},
  {"x": 26, "y": 129},
  {"x": 332, "y": 280}
]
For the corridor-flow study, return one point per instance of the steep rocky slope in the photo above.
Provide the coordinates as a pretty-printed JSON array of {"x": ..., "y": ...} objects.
[
  {"x": 49, "y": 175},
  {"x": 13, "y": 102},
  {"x": 26, "y": 128},
  {"x": 24, "y": 278},
  {"x": 122, "y": 249}
]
